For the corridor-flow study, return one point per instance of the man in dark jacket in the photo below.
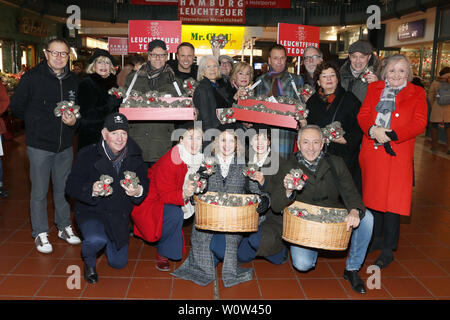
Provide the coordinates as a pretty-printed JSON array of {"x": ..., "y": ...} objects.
[
  {"x": 184, "y": 66},
  {"x": 328, "y": 181},
  {"x": 154, "y": 137},
  {"x": 104, "y": 220},
  {"x": 49, "y": 139}
]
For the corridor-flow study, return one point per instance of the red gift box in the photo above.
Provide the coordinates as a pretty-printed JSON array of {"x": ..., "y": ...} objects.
[
  {"x": 264, "y": 117},
  {"x": 185, "y": 113}
]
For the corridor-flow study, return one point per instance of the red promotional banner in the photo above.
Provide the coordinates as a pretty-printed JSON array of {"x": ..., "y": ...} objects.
[
  {"x": 296, "y": 37},
  {"x": 280, "y": 4},
  {"x": 141, "y": 32},
  {"x": 117, "y": 46},
  {"x": 212, "y": 11}
]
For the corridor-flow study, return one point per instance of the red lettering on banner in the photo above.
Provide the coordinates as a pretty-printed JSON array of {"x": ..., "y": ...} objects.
[
  {"x": 141, "y": 32},
  {"x": 212, "y": 11}
]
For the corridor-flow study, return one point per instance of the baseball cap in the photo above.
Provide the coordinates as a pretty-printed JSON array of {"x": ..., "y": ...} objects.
[{"x": 116, "y": 121}]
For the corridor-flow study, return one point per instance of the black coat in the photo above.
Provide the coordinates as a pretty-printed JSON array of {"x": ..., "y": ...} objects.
[
  {"x": 207, "y": 99},
  {"x": 35, "y": 99},
  {"x": 113, "y": 211},
  {"x": 347, "y": 105},
  {"x": 95, "y": 104}
]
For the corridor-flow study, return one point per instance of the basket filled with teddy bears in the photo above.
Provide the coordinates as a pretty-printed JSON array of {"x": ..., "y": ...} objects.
[
  {"x": 315, "y": 226},
  {"x": 226, "y": 212}
]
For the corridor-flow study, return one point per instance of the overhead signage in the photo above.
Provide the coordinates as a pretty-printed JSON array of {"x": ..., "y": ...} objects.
[
  {"x": 141, "y": 32},
  {"x": 296, "y": 37},
  {"x": 212, "y": 11}
]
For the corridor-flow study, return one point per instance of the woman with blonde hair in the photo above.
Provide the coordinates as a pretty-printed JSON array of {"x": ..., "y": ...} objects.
[
  {"x": 392, "y": 115},
  {"x": 241, "y": 78},
  {"x": 93, "y": 98},
  {"x": 208, "y": 248}
]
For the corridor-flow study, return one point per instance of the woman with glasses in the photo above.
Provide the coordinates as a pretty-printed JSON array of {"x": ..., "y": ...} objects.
[
  {"x": 210, "y": 93},
  {"x": 93, "y": 98},
  {"x": 332, "y": 103}
]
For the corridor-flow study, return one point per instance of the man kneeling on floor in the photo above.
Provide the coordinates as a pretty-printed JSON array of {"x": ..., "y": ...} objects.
[
  {"x": 102, "y": 210},
  {"x": 325, "y": 173}
]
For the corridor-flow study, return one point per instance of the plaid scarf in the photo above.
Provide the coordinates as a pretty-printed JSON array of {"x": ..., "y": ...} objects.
[
  {"x": 386, "y": 105},
  {"x": 311, "y": 166},
  {"x": 276, "y": 89},
  {"x": 116, "y": 159}
]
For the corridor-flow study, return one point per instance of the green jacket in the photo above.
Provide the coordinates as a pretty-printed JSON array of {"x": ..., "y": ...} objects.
[
  {"x": 320, "y": 188},
  {"x": 154, "y": 137}
]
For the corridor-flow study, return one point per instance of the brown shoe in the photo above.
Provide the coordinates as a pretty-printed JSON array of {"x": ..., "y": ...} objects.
[{"x": 162, "y": 263}]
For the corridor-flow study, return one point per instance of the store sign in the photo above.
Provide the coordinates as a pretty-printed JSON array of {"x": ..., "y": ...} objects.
[
  {"x": 212, "y": 11},
  {"x": 141, "y": 32},
  {"x": 32, "y": 27},
  {"x": 117, "y": 46},
  {"x": 411, "y": 30},
  {"x": 199, "y": 36},
  {"x": 296, "y": 37},
  {"x": 280, "y": 4}
]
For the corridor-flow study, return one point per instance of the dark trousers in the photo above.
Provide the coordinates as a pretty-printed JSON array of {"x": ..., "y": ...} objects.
[
  {"x": 95, "y": 239},
  {"x": 170, "y": 245},
  {"x": 249, "y": 246},
  {"x": 386, "y": 231}
]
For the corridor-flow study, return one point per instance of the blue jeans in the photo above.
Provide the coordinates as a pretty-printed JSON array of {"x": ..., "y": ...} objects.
[
  {"x": 305, "y": 259},
  {"x": 170, "y": 245},
  {"x": 43, "y": 165},
  {"x": 95, "y": 239}
]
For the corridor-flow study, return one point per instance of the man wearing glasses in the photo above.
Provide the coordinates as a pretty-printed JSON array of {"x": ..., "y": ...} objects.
[
  {"x": 154, "y": 137},
  {"x": 312, "y": 56},
  {"x": 49, "y": 139}
]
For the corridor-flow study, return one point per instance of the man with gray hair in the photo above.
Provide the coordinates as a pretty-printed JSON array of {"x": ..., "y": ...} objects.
[
  {"x": 328, "y": 182},
  {"x": 312, "y": 56}
]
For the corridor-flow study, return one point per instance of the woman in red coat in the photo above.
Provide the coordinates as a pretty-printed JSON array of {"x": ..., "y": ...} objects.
[
  {"x": 160, "y": 217},
  {"x": 393, "y": 113}
]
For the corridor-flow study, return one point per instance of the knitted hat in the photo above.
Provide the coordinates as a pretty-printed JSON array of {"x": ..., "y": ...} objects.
[
  {"x": 361, "y": 46},
  {"x": 116, "y": 121}
]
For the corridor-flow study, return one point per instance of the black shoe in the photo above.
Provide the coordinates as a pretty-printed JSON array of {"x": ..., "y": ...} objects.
[
  {"x": 385, "y": 258},
  {"x": 3, "y": 193},
  {"x": 90, "y": 274},
  {"x": 355, "y": 281}
]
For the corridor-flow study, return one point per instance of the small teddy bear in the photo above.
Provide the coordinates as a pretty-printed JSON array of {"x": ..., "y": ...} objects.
[
  {"x": 105, "y": 185},
  {"x": 367, "y": 71},
  {"x": 200, "y": 184},
  {"x": 226, "y": 116},
  {"x": 117, "y": 92},
  {"x": 189, "y": 86},
  {"x": 67, "y": 107},
  {"x": 209, "y": 165},
  {"x": 298, "y": 179},
  {"x": 130, "y": 179},
  {"x": 332, "y": 131},
  {"x": 250, "y": 170}
]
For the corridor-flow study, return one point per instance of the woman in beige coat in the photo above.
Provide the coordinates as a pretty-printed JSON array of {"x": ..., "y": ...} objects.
[{"x": 439, "y": 114}]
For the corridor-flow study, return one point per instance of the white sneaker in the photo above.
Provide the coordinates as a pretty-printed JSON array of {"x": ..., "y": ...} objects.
[
  {"x": 68, "y": 235},
  {"x": 42, "y": 243}
]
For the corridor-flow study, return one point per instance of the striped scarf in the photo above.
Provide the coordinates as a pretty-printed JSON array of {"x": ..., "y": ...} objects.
[
  {"x": 311, "y": 166},
  {"x": 116, "y": 159},
  {"x": 386, "y": 105}
]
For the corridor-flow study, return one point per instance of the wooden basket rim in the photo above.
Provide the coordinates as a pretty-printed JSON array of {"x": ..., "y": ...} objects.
[{"x": 196, "y": 198}]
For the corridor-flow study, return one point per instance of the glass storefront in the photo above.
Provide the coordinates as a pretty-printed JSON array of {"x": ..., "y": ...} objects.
[{"x": 443, "y": 56}]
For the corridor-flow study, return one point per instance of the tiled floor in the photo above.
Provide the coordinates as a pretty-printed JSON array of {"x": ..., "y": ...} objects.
[{"x": 421, "y": 269}]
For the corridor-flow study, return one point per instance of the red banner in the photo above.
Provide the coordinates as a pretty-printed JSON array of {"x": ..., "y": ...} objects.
[
  {"x": 117, "y": 46},
  {"x": 141, "y": 32},
  {"x": 280, "y": 4},
  {"x": 296, "y": 37},
  {"x": 212, "y": 11}
]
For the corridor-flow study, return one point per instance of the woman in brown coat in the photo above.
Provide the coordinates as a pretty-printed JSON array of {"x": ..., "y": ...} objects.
[{"x": 440, "y": 114}]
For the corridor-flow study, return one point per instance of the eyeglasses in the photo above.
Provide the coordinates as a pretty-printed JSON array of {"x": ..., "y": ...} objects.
[
  {"x": 212, "y": 66},
  {"x": 157, "y": 56},
  {"x": 311, "y": 58},
  {"x": 57, "y": 53}
]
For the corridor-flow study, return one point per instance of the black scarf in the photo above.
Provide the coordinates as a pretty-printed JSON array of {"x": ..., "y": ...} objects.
[
  {"x": 104, "y": 83},
  {"x": 116, "y": 159}
]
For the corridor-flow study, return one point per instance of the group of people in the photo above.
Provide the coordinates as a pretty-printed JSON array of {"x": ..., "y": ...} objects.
[{"x": 368, "y": 171}]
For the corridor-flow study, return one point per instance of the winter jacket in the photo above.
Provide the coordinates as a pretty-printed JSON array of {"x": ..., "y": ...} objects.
[
  {"x": 356, "y": 85},
  {"x": 207, "y": 99},
  {"x": 286, "y": 84},
  {"x": 183, "y": 75},
  {"x": 114, "y": 210},
  {"x": 95, "y": 104},
  {"x": 388, "y": 180},
  {"x": 154, "y": 137},
  {"x": 344, "y": 109},
  {"x": 35, "y": 99},
  {"x": 438, "y": 113},
  {"x": 320, "y": 188}
]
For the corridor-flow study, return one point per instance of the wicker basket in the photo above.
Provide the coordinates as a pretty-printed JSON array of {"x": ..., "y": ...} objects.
[
  {"x": 329, "y": 236},
  {"x": 226, "y": 219}
]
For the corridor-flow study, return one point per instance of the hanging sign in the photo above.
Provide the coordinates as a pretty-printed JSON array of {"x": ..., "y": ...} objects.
[
  {"x": 141, "y": 32},
  {"x": 296, "y": 37},
  {"x": 212, "y": 11},
  {"x": 117, "y": 46},
  {"x": 280, "y": 4}
]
